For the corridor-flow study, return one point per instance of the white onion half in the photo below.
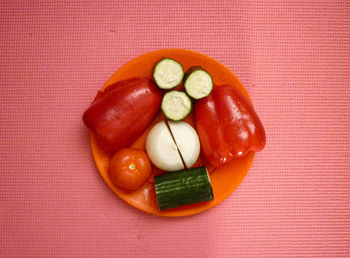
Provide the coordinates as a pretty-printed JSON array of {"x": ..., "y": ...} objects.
[
  {"x": 164, "y": 152},
  {"x": 187, "y": 141},
  {"x": 161, "y": 148}
]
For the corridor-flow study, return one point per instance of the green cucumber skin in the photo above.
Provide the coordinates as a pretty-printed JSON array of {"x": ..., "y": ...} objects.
[
  {"x": 182, "y": 188},
  {"x": 176, "y": 120},
  {"x": 184, "y": 115},
  {"x": 189, "y": 71},
  {"x": 154, "y": 70}
]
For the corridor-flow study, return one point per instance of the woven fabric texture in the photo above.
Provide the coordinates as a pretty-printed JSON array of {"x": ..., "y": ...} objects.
[{"x": 293, "y": 58}]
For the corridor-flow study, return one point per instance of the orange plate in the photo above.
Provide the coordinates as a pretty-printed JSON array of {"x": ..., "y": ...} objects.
[{"x": 224, "y": 180}]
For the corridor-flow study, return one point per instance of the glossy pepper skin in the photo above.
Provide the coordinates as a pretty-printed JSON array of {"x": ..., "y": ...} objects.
[
  {"x": 121, "y": 113},
  {"x": 227, "y": 125}
]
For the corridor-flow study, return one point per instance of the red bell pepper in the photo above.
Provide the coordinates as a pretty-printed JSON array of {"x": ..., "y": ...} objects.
[
  {"x": 121, "y": 112},
  {"x": 227, "y": 125}
]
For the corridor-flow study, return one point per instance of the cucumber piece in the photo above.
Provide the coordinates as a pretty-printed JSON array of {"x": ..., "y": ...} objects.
[
  {"x": 198, "y": 83},
  {"x": 176, "y": 105},
  {"x": 168, "y": 73},
  {"x": 183, "y": 187}
]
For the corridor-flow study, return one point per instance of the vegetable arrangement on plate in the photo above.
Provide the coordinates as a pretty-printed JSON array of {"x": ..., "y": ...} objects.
[{"x": 225, "y": 127}]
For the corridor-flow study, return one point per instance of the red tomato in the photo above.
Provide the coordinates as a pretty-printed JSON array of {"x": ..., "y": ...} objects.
[{"x": 129, "y": 168}]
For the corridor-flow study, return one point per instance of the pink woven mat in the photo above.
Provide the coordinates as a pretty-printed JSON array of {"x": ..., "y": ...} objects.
[{"x": 293, "y": 58}]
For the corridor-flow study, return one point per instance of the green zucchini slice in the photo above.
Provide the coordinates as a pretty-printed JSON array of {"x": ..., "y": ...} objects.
[
  {"x": 168, "y": 73},
  {"x": 183, "y": 187},
  {"x": 176, "y": 105},
  {"x": 198, "y": 83}
]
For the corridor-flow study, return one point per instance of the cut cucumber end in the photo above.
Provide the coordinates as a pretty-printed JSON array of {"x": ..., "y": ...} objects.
[
  {"x": 198, "y": 83},
  {"x": 168, "y": 73},
  {"x": 176, "y": 105}
]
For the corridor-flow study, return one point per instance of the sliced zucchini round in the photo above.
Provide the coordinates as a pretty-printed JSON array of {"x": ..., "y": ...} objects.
[
  {"x": 176, "y": 105},
  {"x": 198, "y": 83},
  {"x": 168, "y": 73}
]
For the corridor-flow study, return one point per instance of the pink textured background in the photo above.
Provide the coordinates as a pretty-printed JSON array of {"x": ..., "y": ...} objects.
[{"x": 293, "y": 58}]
